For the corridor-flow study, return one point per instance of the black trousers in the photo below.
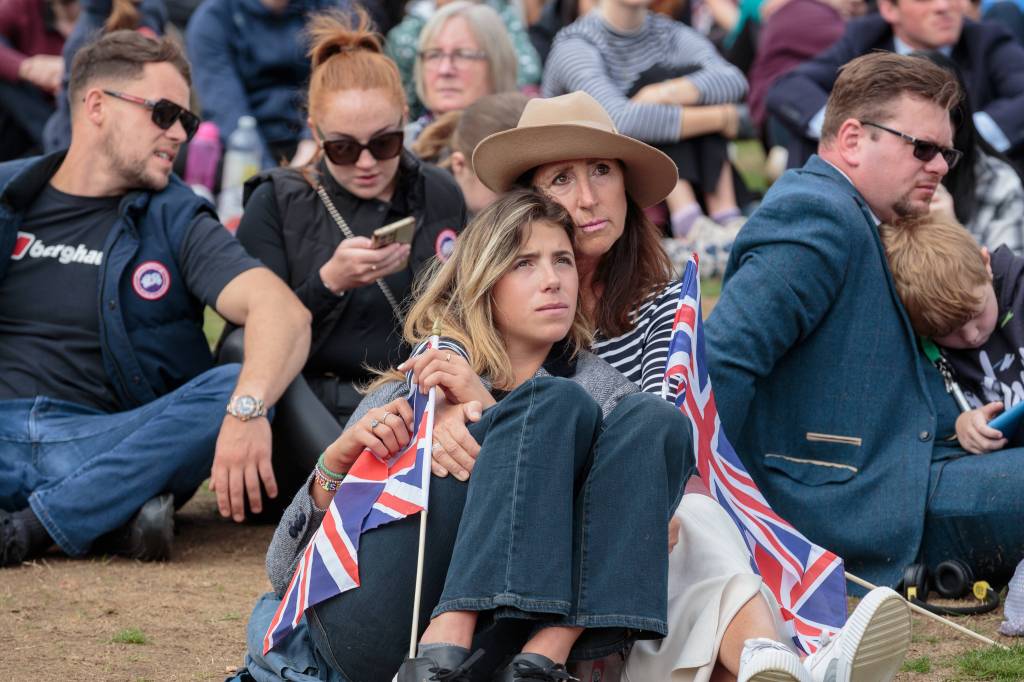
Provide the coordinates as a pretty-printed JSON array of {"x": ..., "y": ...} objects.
[
  {"x": 700, "y": 159},
  {"x": 302, "y": 428}
]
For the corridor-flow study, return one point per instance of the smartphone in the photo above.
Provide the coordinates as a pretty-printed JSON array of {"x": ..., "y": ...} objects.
[
  {"x": 1007, "y": 421},
  {"x": 399, "y": 231}
]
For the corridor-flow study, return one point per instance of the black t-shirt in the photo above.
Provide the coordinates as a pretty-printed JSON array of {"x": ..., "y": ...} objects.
[
  {"x": 49, "y": 320},
  {"x": 49, "y": 317}
]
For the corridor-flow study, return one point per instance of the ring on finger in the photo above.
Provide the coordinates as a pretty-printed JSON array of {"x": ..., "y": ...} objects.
[{"x": 374, "y": 423}]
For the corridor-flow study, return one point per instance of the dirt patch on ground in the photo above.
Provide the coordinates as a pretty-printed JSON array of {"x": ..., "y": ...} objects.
[
  {"x": 66, "y": 619},
  {"x": 61, "y": 619}
]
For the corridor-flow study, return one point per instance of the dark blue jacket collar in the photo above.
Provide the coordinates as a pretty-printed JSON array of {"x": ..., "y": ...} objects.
[{"x": 34, "y": 174}]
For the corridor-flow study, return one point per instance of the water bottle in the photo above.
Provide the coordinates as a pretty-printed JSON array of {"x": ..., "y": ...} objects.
[
  {"x": 241, "y": 162},
  {"x": 203, "y": 157}
]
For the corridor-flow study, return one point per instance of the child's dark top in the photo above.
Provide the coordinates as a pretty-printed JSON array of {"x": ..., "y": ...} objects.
[{"x": 995, "y": 371}]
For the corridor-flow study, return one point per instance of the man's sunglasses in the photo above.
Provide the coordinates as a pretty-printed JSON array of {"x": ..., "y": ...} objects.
[
  {"x": 345, "y": 150},
  {"x": 165, "y": 112},
  {"x": 923, "y": 151}
]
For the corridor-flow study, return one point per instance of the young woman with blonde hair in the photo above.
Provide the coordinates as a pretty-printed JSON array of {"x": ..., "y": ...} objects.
[{"x": 552, "y": 541}]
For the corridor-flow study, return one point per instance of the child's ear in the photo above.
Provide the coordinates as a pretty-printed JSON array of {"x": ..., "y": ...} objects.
[
  {"x": 987, "y": 258},
  {"x": 458, "y": 161}
]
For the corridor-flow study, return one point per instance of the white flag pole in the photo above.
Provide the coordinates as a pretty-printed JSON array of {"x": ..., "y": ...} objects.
[
  {"x": 425, "y": 486},
  {"x": 934, "y": 616}
]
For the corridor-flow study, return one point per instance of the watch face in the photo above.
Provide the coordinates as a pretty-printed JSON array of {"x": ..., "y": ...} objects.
[{"x": 245, "y": 405}]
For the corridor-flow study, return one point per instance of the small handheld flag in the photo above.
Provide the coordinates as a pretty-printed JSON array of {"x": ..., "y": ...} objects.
[{"x": 372, "y": 494}]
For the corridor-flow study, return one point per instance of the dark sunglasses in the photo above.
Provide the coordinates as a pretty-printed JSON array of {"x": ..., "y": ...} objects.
[
  {"x": 345, "y": 150},
  {"x": 923, "y": 151},
  {"x": 165, "y": 112}
]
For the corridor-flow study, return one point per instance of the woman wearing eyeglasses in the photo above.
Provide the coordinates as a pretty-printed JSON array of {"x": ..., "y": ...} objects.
[
  {"x": 403, "y": 45},
  {"x": 465, "y": 52},
  {"x": 314, "y": 226}
]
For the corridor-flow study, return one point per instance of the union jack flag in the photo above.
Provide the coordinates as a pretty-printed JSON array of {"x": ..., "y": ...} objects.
[
  {"x": 372, "y": 494},
  {"x": 807, "y": 581}
]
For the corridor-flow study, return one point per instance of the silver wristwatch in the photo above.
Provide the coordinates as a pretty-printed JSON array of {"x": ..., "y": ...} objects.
[{"x": 246, "y": 407}]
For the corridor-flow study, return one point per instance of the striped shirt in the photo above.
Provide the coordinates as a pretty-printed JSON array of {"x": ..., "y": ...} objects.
[
  {"x": 641, "y": 353},
  {"x": 588, "y": 55}
]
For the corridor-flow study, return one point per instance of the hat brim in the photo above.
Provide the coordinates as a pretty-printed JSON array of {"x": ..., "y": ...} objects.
[{"x": 500, "y": 159}]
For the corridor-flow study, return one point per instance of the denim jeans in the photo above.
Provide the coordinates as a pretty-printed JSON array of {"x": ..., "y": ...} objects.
[
  {"x": 975, "y": 512},
  {"x": 563, "y": 522},
  {"x": 85, "y": 472}
]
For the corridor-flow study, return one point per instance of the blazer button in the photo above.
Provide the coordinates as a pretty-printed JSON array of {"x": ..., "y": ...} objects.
[
  {"x": 924, "y": 436},
  {"x": 112, "y": 304}
]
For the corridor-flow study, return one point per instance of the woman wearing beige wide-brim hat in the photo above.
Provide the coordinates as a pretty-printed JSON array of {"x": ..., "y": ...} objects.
[{"x": 568, "y": 148}]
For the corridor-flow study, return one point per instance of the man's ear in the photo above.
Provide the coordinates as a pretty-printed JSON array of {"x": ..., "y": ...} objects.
[
  {"x": 93, "y": 105},
  {"x": 849, "y": 141},
  {"x": 889, "y": 10}
]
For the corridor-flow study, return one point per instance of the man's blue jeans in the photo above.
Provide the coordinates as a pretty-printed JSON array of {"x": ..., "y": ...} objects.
[
  {"x": 975, "y": 512},
  {"x": 84, "y": 472},
  {"x": 563, "y": 522}
]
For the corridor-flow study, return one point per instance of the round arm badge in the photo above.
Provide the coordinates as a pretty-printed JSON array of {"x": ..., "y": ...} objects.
[
  {"x": 151, "y": 280},
  {"x": 445, "y": 244}
]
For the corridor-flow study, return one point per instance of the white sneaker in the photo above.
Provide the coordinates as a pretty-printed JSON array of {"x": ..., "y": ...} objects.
[
  {"x": 765, "y": 660},
  {"x": 870, "y": 647}
]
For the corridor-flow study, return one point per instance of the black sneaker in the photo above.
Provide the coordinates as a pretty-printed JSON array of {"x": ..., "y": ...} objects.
[
  {"x": 13, "y": 543},
  {"x": 534, "y": 667},
  {"x": 443, "y": 664},
  {"x": 148, "y": 536}
]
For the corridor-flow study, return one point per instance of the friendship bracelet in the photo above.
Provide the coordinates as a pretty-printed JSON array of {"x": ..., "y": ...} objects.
[
  {"x": 328, "y": 484},
  {"x": 322, "y": 467}
]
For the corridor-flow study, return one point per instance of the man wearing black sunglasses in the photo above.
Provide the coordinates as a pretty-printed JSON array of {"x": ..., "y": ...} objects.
[
  {"x": 111, "y": 411},
  {"x": 820, "y": 380}
]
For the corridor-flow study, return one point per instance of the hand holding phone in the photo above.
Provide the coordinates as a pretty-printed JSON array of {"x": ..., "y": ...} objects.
[
  {"x": 400, "y": 231},
  {"x": 356, "y": 263}
]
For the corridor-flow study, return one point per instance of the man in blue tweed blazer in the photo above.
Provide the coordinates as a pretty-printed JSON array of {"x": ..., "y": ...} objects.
[{"x": 820, "y": 381}]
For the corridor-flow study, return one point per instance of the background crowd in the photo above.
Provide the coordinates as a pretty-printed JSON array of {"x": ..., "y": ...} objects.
[
  {"x": 324, "y": 120},
  {"x": 758, "y": 70}
]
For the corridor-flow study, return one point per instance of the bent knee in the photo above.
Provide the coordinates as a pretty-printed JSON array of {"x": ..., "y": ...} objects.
[{"x": 563, "y": 392}]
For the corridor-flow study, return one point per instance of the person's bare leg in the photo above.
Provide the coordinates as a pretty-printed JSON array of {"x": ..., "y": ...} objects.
[
  {"x": 452, "y": 627},
  {"x": 681, "y": 196},
  {"x": 754, "y": 619},
  {"x": 720, "y": 674},
  {"x": 554, "y": 643},
  {"x": 724, "y": 197}
]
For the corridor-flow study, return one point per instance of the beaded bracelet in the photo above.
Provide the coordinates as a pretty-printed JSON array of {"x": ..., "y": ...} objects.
[
  {"x": 322, "y": 466},
  {"x": 328, "y": 484},
  {"x": 325, "y": 478}
]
